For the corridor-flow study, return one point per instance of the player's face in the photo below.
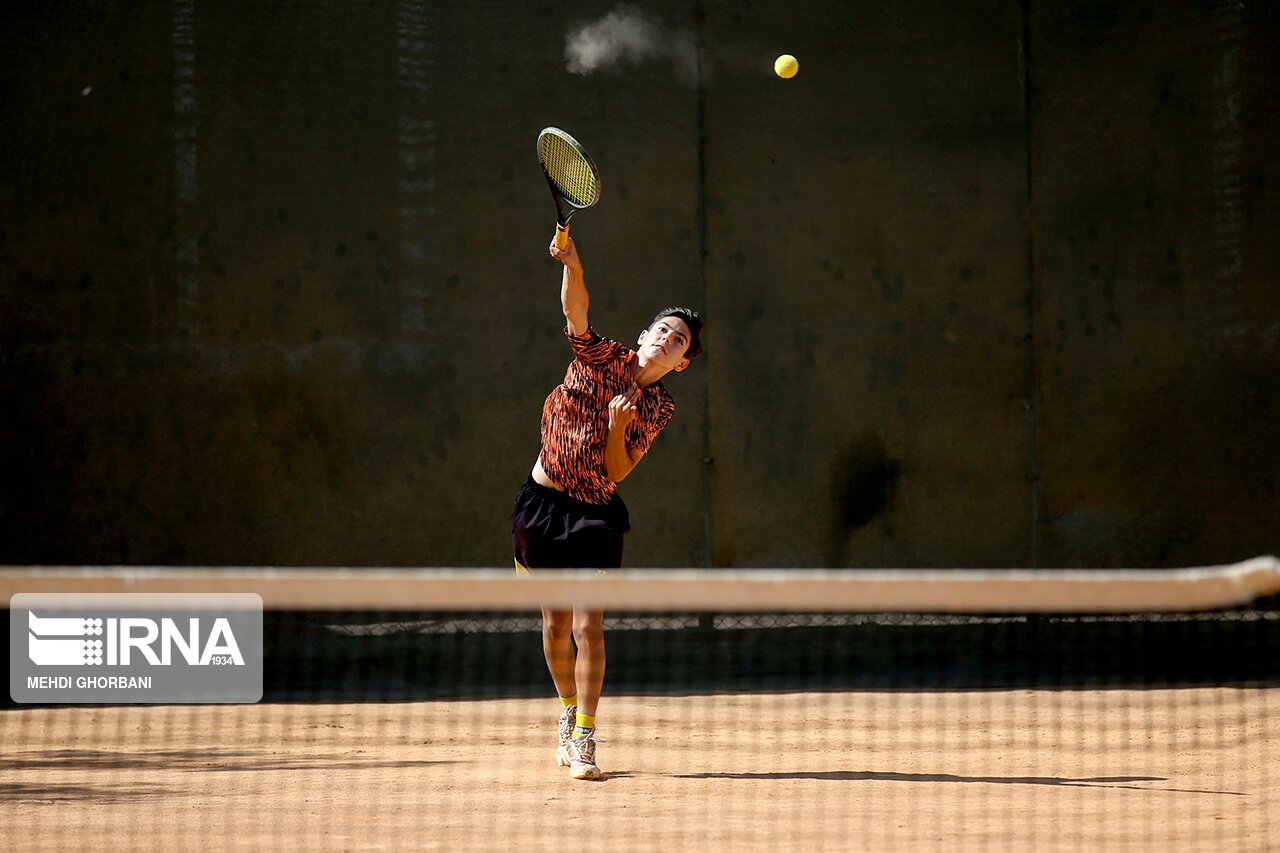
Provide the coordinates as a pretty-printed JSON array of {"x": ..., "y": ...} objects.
[{"x": 665, "y": 343}]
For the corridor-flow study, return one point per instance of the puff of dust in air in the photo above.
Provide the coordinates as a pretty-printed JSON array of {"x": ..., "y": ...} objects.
[{"x": 628, "y": 35}]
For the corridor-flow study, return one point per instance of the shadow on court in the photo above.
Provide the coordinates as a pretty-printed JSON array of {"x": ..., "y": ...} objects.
[
  {"x": 69, "y": 793},
  {"x": 1119, "y": 782},
  {"x": 881, "y": 776},
  {"x": 196, "y": 760}
]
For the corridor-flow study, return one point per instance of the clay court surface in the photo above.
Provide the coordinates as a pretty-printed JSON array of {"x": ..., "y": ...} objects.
[{"x": 1177, "y": 769}]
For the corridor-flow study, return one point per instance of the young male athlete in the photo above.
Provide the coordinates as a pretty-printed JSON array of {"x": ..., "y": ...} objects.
[{"x": 595, "y": 427}]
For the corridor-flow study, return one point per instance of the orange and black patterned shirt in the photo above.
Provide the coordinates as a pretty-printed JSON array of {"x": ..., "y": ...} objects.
[{"x": 575, "y": 416}]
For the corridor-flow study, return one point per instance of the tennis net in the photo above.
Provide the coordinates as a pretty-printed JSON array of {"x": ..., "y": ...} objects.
[{"x": 413, "y": 709}]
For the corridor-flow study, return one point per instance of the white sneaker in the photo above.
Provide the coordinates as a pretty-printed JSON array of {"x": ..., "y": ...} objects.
[
  {"x": 567, "y": 721},
  {"x": 582, "y": 756}
]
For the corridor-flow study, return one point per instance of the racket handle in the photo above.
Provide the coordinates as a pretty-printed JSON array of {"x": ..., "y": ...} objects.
[{"x": 562, "y": 236}]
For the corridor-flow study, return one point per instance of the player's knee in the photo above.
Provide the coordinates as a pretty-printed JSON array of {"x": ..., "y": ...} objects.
[
  {"x": 588, "y": 628},
  {"x": 557, "y": 625}
]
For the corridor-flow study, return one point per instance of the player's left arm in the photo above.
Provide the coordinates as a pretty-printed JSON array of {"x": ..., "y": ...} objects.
[{"x": 620, "y": 460}]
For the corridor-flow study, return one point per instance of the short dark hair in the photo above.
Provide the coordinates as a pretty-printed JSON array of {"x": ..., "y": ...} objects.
[{"x": 692, "y": 320}]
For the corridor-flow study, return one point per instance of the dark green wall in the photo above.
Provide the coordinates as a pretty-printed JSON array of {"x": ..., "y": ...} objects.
[{"x": 987, "y": 284}]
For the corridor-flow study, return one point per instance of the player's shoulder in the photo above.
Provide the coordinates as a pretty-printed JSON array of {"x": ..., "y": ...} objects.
[
  {"x": 666, "y": 404},
  {"x": 594, "y": 348}
]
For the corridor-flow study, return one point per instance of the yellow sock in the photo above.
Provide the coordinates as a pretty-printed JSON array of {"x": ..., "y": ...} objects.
[
  {"x": 585, "y": 725},
  {"x": 570, "y": 701}
]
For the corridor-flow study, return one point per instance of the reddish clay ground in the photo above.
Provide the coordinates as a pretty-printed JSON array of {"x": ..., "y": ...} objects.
[{"x": 1187, "y": 769}]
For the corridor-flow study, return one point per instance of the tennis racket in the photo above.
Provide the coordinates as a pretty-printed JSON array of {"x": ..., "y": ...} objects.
[{"x": 573, "y": 178}]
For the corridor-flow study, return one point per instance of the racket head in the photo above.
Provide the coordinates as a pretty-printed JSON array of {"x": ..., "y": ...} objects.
[{"x": 568, "y": 167}]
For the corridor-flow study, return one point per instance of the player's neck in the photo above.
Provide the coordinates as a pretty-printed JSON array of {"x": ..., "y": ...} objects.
[{"x": 646, "y": 373}]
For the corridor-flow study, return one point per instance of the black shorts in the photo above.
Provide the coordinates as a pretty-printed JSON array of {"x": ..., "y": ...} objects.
[{"x": 551, "y": 530}]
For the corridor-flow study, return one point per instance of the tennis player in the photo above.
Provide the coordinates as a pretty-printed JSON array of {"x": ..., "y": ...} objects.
[{"x": 596, "y": 426}]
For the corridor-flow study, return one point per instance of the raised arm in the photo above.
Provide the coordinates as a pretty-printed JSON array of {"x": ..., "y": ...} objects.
[{"x": 573, "y": 287}]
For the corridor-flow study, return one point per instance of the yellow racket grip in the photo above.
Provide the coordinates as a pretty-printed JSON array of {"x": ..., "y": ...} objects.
[{"x": 562, "y": 236}]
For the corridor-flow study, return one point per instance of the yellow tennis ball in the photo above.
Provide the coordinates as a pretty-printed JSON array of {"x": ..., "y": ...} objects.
[{"x": 785, "y": 66}]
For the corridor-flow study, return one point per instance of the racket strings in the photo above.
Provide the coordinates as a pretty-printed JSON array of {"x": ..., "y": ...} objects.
[{"x": 572, "y": 173}]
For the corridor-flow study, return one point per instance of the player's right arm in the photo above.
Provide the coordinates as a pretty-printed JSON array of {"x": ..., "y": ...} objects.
[{"x": 573, "y": 288}]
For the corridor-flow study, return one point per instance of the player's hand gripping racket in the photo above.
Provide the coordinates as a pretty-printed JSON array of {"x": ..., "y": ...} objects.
[{"x": 574, "y": 179}]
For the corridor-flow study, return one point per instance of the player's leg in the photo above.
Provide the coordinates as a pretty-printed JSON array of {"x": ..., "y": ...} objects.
[
  {"x": 558, "y": 649},
  {"x": 599, "y": 546},
  {"x": 573, "y": 643},
  {"x": 530, "y": 518},
  {"x": 588, "y": 675},
  {"x": 588, "y": 634}
]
